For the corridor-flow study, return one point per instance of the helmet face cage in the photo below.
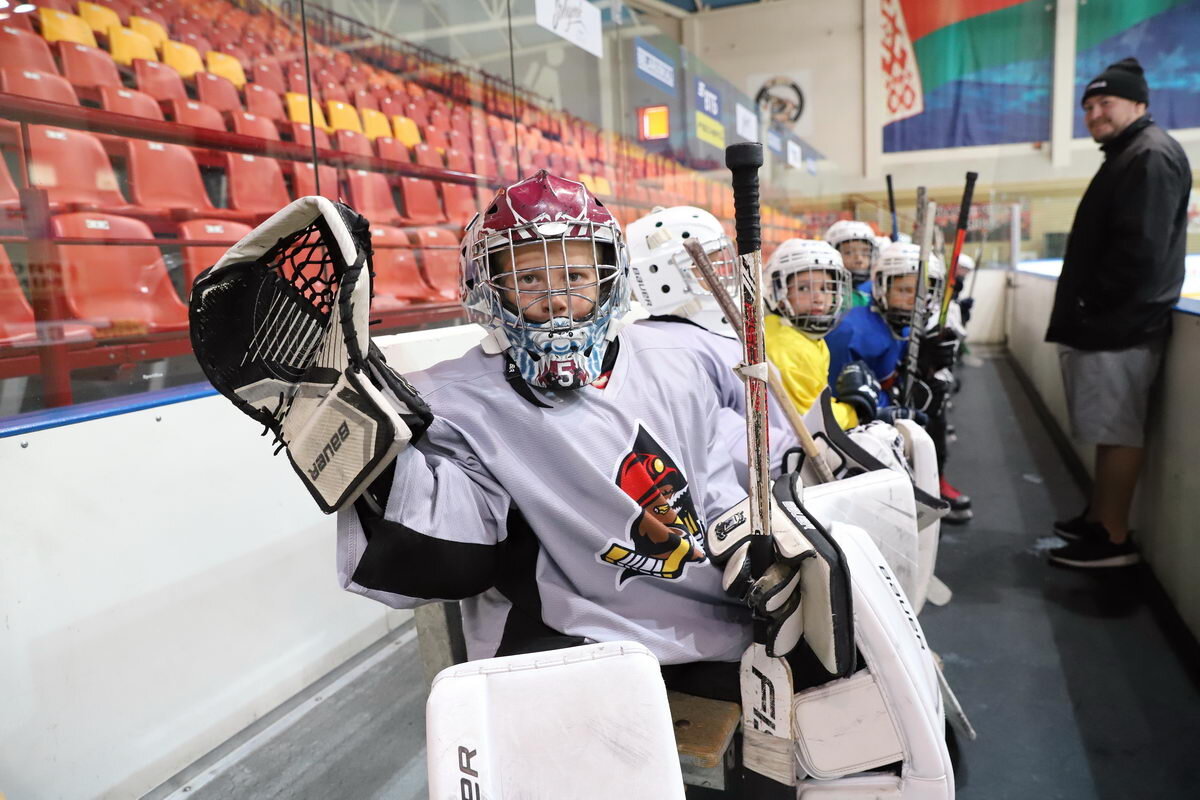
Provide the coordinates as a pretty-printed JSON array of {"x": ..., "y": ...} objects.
[
  {"x": 822, "y": 293},
  {"x": 899, "y": 261},
  {"x": 845, "y": 231},
  {"x": 665, "y": 277},
  {"x": 723, "y": 256},
  {"x": 849, "y": 245}
]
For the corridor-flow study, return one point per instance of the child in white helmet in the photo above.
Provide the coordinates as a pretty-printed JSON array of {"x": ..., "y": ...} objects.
[
  {"x": 808, "y": 292},
  {"x": 856, "y": 243},
  {"x": 682, "y": 308}
]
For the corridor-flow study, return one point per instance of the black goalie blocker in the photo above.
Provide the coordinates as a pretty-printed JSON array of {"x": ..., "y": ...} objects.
[{"x": 279, "y": 326}]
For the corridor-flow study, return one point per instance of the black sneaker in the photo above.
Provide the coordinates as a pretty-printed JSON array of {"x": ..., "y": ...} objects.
[
  {"x": 1095, "y": 554},
  {"x": 1079, "y": 528}
]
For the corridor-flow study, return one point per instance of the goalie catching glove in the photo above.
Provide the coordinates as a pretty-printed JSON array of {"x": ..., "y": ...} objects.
[
  {"x": 805, "y": 592},
  {"x": 279, "y": 326}
]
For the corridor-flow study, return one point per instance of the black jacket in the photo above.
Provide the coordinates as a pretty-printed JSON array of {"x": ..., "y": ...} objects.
[{"x": 1123, "y": 268}]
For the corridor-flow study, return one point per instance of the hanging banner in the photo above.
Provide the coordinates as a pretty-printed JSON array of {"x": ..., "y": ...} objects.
[
  {"x": 653, "y": 66},
  {"x": 901, "y": 78},
  {"x": 747, "y": 123},
  {"x": 795, "y": 154},
  {"x": 774, "y": 142},
  {"x": 709, "y": 128},
  {"x": 577, "y": 21}
]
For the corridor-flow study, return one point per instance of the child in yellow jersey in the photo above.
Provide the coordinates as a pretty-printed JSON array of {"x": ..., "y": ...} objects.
[{"x": 808, "y": 291}]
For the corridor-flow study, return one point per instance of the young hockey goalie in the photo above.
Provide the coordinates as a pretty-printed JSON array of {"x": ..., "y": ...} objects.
[
  {"x": 563, "y": 488},
  {"x": 872, "y": 340},
  {"x": 808, "y": 292},
  {"x": 682, "y": 308},
  {"x": 856, "y": 243}
]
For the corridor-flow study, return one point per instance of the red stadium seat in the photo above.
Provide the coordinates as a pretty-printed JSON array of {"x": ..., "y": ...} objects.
[
  {"x": 165, "y": 178},
  {"x": 371, "y": 196},
  {"x": 365, "y": 98},
  {"x": 352, "y": 142},
  {"x": 391, "y": 149},
  {"x": 304, "y": 185},
  {"x": 268, "y": 75},
  {"x": 458, "y": 160},
  {"x": 200, "y": 42},
  {"x": 158, "y": 80},
  {"x": 398, "y": 279},
  {"x": 129, "y": 101},
  {"x": 120, "y": 286},
  {"x": 298, "y": 83},
  {"x": 421, "y": 203},
  {"x": 10, "y": 199},
  {"x": 460, "y": 202},
  {"x": 73, "y": 169},
  {"x": 435, "y": 138},
  {"x": 302, "y": 133},
  {"x": 426, "y": 155},
  {"x": 20, "y": 49},
  {"x": 264, "y": 102},
  {"x": 189, "y": 112},
  {"x": 18, "y": 327},
  {"x": 439, "y": 258},
  {"x": 197, "y": 259},
  {"x": 249, "y": 124},
  {"x": 255, "y": 184},
  {"x": 42, "y": 85},
  {"x": 484, "y": 164},
  {"x": 88, "y": 67},
  {"x": 217, "y": 92}
]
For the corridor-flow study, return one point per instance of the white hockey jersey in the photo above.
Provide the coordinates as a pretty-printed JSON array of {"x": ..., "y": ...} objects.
[
  {"x": 580, "y": 521},
  {"x": 719, "y": 355}
]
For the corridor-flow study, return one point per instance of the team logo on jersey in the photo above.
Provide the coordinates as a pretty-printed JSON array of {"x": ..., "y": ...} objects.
[{"x": 665, "y": 535}]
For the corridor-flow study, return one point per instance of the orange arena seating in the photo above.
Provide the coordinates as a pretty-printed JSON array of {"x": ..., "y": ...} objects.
[
  {"x": 255, "y": 184},
  {"x": 264, "y": 102},
  {"x": 351, "y": 142},
  {"x": 390, "y": 149},
  {"x": 398, "y": 280},
  {"x": 426, "y": 155},
  {"x": 127, "y": 46},
  {"x": 21, "y": 49},
  {"x": 165, "y": 178},
  {"x": 17, "y": 323},
  {"x": 217, "y": 92},
  {"x": 128, "y": 101},
  {"x": 249, "y": 124},
  {"x": 41, "y": 85},
  {"x": 268, "y": 75},
  {"x": 304, "y": 184},
  {"x": 183, "y": 57},
  {"x": 371, "y": 196},
  {"x": 197, "y": 259},
  {"x": 73, "y": 169},
  {"x": 439, "y": 256},
  {"x": 99, "y": 18},
  {"x": 421, "y": 203},
  {"x": 59, "y": 26},
  {"x": 125, "y": 289},
  {"x": 227, "y": 67},
  {"x": 302, "y": 133},
  {"x": 189, "y": 112},
  {"x": 158, "y": 80},
  {"x": 88, "y": 67}
]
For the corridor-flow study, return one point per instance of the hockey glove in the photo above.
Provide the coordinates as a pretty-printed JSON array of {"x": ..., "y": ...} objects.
[
  {"x": 890, "y": 414},
  {"x": 965, "y": 305},
  {"x": 938, "y": 351},
  {"x": 858, "y": 388},
  {"x": 928, "y": 396},
  {"x": 279, "y": 326}
]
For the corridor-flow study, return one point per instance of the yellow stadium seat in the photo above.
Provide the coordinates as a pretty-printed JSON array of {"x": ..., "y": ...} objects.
[
  {"x": 156, "y": 33},
  {"x": 407, "y": 132},
  {"x": 588, "y": 181},
  {"x": 125, "y": 45},
  {"x": 227, "y": 67},
  {"x": 375, "y": 124},
  {"x": 602, "y": 185},
  {"x": 59, "y": 26},
  {"x": 343, "y": 117},
  {"x": 183, "y": 57},
  {"x": 99, "y": 17},
  {"x": 298, "y": 108}
]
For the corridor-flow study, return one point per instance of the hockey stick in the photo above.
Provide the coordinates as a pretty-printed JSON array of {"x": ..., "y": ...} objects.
[
  {"x": 916, "y": 326},
  {"x": 766, "y": 683},
  {"x": 960, "y": 234},
  {"x": 892, "y": 208},
  {"x": 774, "y": 381},
  {"x": 917, "y": 218}
]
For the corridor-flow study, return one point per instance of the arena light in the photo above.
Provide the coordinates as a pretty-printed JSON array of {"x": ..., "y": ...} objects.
[{"x": 654, "y": 122}]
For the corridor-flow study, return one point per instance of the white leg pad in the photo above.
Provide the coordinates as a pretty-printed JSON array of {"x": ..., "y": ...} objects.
[
  {"x": 893, "y": 712},
  {"x": 590, "y": 721},
  {"x": 922, "y": 457}
]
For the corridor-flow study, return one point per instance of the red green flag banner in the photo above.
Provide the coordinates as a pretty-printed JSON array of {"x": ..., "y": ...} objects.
[{"x": 981, "y": 72}]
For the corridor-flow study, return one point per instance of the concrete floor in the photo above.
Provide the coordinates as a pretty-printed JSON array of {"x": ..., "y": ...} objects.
[{"x": 1068, "y": 677}]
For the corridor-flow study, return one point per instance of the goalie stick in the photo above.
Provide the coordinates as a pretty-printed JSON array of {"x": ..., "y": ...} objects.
[
  {"x": 920, "y": 312},
  {"x": 774, "y": 381},
  {"x": 892, "y": 208},
  {"x": 960, "y": 234},
  {"x": 766, "y": 682}
]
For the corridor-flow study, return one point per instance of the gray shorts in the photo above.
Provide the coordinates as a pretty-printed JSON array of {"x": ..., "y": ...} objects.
[{"x": 1108, "y": 391}]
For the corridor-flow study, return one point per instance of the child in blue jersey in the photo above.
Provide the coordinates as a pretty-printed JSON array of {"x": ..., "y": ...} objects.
[
  {"x": 874, "y": 338},
  {"x": 855, "y": 242}
]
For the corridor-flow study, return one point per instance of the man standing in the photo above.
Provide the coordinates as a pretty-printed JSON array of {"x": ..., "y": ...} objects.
[{"x": 1121, "y": 276}]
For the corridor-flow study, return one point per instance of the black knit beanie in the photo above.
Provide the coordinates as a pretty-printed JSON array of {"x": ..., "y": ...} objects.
[{"x": 1126, "y": 78}]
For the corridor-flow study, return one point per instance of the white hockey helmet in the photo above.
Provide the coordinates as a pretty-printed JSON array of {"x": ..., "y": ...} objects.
[
  {"x": 851, "y": 230},
  {"x": 897, "y": 260},
  {"x": 965, "y": 264},
  {"x": 665, "y": 280},
  {"x": 881, "y": 243},
  {"x": 825, "y": 300}
]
